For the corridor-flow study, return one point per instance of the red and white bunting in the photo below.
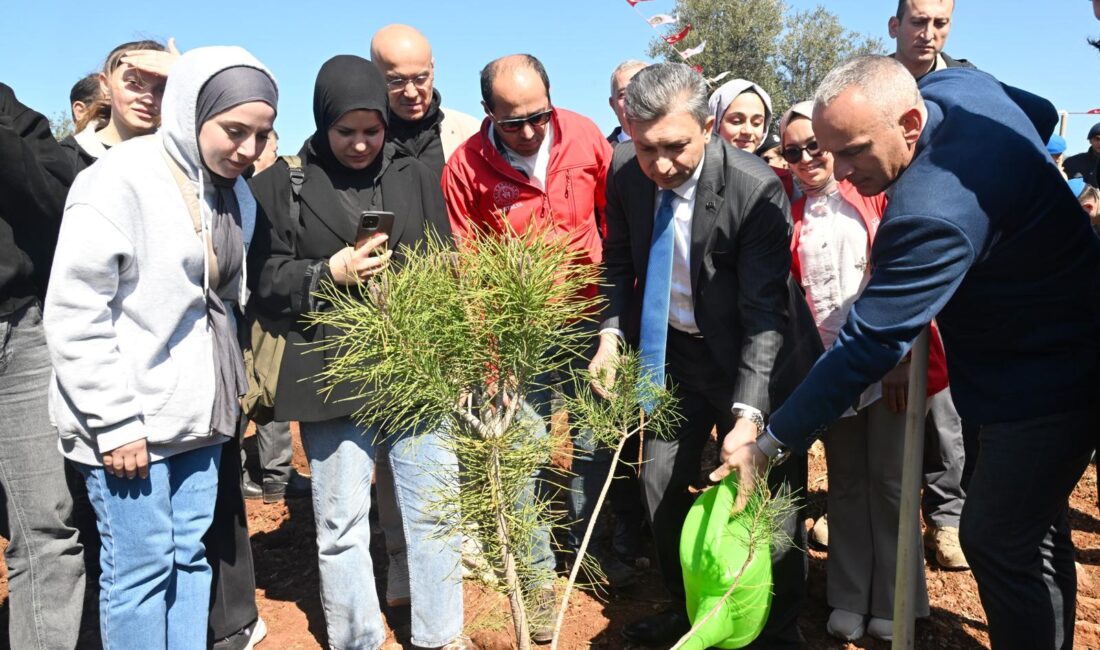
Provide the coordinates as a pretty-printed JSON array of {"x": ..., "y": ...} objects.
[
  {"x": 673, "y": 39},
  {"x": 662, "y": 19},
  {"x": 692, "y": 51}
]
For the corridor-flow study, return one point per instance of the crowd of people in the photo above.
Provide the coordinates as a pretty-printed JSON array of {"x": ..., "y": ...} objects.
[{"x": 772, "y": 269}]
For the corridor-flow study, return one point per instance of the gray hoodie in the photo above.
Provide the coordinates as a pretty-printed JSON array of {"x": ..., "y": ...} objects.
[{"x": 125, "y": 314}]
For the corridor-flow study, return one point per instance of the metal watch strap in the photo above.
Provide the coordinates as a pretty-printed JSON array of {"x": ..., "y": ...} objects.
[
  {"x": 771, "y": 447},
  {"x": 753, "y": 416}
]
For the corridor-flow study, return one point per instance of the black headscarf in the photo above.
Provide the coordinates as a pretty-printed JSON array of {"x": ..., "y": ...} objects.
[{"x": 347, "y": 83}]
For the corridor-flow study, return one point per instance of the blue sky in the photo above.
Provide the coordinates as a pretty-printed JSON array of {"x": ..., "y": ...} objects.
[{"x": 47, "y": 45}]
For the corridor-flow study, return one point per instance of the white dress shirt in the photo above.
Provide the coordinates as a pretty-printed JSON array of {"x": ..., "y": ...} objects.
[{"x": 681, "y": 304}]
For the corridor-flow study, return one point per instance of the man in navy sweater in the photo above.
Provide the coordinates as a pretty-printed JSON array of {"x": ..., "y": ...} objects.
[{"x": 982, "y": 233}]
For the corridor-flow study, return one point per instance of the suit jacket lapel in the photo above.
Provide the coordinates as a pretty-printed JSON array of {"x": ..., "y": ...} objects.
[
  {"x": 708, "y": 202},
  {"x": 641, "y": 205}
]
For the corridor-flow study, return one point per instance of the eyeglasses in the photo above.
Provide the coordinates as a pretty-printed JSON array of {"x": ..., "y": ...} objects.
[
  {"x": 420, "y": 81},
  {"x": 793, "y": 154},
  {"x": 536, "y": 120}
]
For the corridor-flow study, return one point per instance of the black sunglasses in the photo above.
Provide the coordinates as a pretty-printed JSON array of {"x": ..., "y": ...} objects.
[
  {"x": 513, "y": 125},
  {"x": 793, "y": 154}
]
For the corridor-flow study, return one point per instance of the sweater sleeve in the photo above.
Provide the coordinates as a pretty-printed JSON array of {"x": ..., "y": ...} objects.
[
  {"x": 918, "y": 264},
  {"x": 35, "y": 172},
  {"x": 79, "y": 323}
]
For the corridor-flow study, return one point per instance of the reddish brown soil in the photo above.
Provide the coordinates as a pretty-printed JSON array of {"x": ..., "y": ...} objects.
[{"x": 287, "y": 593}]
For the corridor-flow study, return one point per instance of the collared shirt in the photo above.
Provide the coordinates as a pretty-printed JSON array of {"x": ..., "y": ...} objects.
[
  {"x": 623, "y": 136},
  {"x": 533, "y": 166},
  {"x": 681, "y": 306}
]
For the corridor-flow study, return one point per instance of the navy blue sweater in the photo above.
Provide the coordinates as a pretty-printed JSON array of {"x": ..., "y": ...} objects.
[{"x": 982, "y": 230}]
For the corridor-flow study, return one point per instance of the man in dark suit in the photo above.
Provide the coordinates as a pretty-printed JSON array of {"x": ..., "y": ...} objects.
[{"x": 697, "y": 270}]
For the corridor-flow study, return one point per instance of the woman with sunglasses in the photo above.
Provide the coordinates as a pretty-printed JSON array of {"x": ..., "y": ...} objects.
[
  {"x": 742, "y": 116},
  {"x": 830, "y": 256},
  {"x": 348, "y": 169}
]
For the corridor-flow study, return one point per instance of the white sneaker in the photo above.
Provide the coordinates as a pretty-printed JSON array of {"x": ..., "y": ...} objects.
[
  {"x": 845, "y": 625},
  {"x": 881, "y": 628}
]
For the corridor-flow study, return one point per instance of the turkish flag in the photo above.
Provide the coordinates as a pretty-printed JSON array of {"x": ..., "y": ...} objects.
[{"x": 676, "y": 38}]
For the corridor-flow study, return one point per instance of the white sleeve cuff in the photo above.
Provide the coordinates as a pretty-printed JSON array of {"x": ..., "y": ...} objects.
[
  {"x": 751, "y": 410},
  {"x": 614, "y": 330},
  {"x": 123, "y": 433}
]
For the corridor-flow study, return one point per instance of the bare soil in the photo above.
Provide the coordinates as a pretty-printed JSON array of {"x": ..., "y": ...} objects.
[{"x": 287, "y": 588}]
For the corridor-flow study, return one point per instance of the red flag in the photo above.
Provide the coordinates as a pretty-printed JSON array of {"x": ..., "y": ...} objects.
[
  {"x": 1095, "y": 111},
  {"x": 676, "y": 38},
  {"x": 634, "y": 3}
]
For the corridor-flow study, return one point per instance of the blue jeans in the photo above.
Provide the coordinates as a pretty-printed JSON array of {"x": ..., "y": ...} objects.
[
  {"x": 591, "y": 461},
  {"x": 155, "y": 585},
  {"x": 341, "y": 457},
  {"x": 45, "y": 565}
]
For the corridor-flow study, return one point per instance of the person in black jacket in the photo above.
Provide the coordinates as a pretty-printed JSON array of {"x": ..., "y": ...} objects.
[
  {"x": 348, "y": 168},
  {"x": 45, "y": 565},
  {"x": 1084, "y": 165},
  {"x": 921, "y": 28}
]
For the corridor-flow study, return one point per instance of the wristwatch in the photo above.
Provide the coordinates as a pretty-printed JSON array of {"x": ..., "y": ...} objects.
[
  {"x": 770, "y": 446},
  {"x": 752, "y": 415}
]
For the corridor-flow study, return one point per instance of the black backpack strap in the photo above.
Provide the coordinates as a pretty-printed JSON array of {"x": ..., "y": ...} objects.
[{"x": 297, "y": 177}]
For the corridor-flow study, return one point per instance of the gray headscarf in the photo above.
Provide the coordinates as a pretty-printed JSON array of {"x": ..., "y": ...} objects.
[
  {"x": 229, "y": 88},
  {"x": 721, "y": 99}
]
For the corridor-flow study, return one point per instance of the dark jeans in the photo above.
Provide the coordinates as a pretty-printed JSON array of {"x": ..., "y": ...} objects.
[
  {"x": 233, "y": 588},
  {"x": 944, "y": 457},
  {"x": 275, "y": 451},
  {"x": 670, "y": 466},
  {"x": 1015, "y": 528},
  {"x": 44, "y": 559}
]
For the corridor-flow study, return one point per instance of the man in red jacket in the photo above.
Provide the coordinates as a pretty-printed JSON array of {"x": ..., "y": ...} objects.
[{"x": 534, "y": 164}]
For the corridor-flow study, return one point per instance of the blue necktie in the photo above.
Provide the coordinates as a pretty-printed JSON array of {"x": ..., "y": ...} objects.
[{"x": 658, "y": 290}]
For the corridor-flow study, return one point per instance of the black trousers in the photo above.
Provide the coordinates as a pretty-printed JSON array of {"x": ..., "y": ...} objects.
[
  {"x": 670, "y": 466},
  {"x": 1015, "y": 527},
  {"x": 233, "y": 585}
]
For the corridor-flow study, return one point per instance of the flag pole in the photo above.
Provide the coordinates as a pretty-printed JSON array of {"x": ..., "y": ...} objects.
[{"x": 911, "y": 475}]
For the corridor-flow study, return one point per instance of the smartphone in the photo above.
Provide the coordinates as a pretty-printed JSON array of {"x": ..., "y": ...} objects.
[{"x": 372, "y": 222}]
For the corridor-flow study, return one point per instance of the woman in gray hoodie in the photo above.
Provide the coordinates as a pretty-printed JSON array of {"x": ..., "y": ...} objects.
[{"x": 147, "y": 372}]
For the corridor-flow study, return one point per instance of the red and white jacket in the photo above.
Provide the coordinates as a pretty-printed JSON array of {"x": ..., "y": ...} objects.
[
  {"x": 479, "y": 184},
  {"x": 870, "y": 209}
]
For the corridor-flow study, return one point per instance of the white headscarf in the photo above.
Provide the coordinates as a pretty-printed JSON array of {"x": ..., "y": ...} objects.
[{"x": 721, "y": 99}]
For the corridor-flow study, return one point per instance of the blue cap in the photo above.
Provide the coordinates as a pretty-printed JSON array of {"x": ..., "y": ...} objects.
[
  {"x": 1056, "y": 145},
  {"x": 1094, "y": 131},
  {"x": 1077, "y": 185}
]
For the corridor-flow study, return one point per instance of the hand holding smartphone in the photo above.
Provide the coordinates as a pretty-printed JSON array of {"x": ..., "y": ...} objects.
[{"x": 371, "y": 223}]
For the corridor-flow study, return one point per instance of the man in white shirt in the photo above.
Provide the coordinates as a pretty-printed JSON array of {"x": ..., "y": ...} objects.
[
  {"x": 622, "y": 75},
  {"x": 697, "y": 271}
]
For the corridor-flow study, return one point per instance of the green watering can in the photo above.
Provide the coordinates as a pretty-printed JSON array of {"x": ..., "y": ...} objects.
[{"x": 713, "y": 548}]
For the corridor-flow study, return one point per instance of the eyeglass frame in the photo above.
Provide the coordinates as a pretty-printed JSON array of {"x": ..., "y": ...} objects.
[
  {"x": 399, "y": 84},
  {"x": 515, "y": 124},
  {"x": 812, "y": 147}
]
